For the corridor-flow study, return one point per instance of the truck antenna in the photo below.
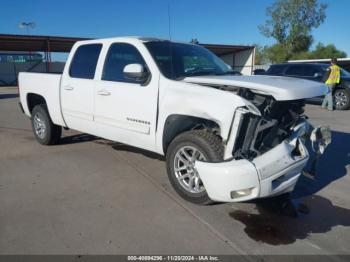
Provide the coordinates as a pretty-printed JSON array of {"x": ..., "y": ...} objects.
[{"x": 169, "y": 21}]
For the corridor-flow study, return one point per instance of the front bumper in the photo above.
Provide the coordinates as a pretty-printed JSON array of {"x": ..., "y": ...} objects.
[{"x": 272, "y": 173}]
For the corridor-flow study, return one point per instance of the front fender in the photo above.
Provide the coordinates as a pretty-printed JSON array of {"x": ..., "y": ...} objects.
[{"x": 180, "y": 98}]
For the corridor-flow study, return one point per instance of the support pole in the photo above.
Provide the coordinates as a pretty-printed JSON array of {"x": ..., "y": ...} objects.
[
  {"x": 48, "y": 55},
  {"x": 46, "y": 61}
]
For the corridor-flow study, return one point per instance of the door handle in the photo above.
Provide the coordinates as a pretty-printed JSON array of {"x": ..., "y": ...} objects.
[
  {"x": 103, "y": 92},
  {"x": 68, "y": 87}
]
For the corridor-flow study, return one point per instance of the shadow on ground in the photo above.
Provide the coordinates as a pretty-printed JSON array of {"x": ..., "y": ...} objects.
[
  {"x": 149, "y": 154},
  {"x": 282, "y": 222},
  {"x": 333, "y": 165},
  {"x": 79, "y": 138}
]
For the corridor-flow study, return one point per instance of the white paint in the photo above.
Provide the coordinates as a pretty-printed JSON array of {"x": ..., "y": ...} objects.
[
  {"x": 46, "y": 85},
  {"x": 133, "y": 69},
  {"x": 281, "y": 88},
  {"x": 220, "y": 179},
  {"x": 136, "y": 114}
]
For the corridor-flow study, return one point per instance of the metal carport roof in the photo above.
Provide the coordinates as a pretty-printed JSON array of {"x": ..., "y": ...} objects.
[
  {"x": 37, "y": 43},
  {"x": 40, "y": 43}
]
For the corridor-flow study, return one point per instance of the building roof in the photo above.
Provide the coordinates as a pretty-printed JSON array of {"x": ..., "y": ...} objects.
[
  {"x": 37, "y": 43},
  {"x": 40, "y": 43},
  {"x": 226, "y": 49}
]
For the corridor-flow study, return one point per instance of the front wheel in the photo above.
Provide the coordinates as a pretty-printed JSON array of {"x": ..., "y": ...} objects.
[
  {"x": 342, "y": 99},
  {"x": 45, "y": 131},
  {"x": 181, "y": 156}
]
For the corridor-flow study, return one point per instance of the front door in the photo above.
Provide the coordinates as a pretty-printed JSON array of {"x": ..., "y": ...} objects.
[{"x": 125, "y": 110}]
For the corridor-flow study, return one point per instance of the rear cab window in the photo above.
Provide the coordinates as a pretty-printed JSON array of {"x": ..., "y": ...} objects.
[{"x": 84, "y": 62}]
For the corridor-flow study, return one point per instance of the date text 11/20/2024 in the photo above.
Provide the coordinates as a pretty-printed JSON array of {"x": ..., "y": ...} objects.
[{"x": 174, "y": 258}]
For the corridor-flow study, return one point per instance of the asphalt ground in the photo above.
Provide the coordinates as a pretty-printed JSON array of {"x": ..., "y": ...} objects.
[{"x": 92, "y": 196}]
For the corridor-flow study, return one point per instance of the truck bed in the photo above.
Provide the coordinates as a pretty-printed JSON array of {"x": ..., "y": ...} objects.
[{"x": 45, "y": 85}]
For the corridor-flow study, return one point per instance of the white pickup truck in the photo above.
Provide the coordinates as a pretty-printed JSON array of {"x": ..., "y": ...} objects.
[{"x": 226, "y": 138}]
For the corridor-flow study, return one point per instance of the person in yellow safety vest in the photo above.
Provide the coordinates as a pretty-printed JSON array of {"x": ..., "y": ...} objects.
[{"x": 331, "y": 82}]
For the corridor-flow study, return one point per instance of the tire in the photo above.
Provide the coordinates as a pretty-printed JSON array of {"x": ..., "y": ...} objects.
[
  {"x": 207, "y": 147},
  {"x": 45, "y": 132},
  {"x": 341, "y": 99}
]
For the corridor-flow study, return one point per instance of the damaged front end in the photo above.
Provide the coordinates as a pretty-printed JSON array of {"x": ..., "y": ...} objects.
[{"x": 265, "y": 153}]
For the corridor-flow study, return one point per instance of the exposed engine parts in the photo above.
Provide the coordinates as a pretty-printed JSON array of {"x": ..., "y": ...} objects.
[{"x": 258, "y": 134}]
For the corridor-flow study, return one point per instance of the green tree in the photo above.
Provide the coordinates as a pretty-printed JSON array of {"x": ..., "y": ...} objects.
[
  {"x": 290, "y": 23},
  {"x": 328, "y": 51},
  {"x": 261, "y": 55},
  {"x": 277, "y": 53}
]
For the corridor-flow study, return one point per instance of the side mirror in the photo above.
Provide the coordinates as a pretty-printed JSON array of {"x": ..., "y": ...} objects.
[{"x": 136, "y": 72}]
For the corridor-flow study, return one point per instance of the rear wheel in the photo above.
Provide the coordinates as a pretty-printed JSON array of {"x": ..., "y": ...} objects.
[
  {"x": 342, "y": 99},
  {"x": 45, "y": 131},
  {"x": 181, "y": 156}
]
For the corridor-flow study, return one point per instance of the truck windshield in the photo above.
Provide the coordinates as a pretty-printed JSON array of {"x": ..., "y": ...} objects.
[{"x": 178, "y": 60}]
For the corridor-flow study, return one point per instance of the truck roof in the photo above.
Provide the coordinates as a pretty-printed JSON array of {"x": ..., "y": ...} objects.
[{"x": 128, "y": 39}]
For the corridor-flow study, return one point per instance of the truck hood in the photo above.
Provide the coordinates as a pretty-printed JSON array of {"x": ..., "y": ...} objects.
[{"x": 281, "y": 88}]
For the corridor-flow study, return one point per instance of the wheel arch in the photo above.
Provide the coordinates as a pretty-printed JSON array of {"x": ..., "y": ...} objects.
[
  {"x": 176, "y": 124},
  {"x": 33, "y": 100}
]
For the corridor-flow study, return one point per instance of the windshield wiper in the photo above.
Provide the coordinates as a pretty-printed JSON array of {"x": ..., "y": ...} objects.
[
  {"x": 202, "y": 73},
  {"x": 198, "y": 71}
]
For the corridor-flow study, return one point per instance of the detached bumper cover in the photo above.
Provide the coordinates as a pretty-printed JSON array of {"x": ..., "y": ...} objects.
[{"x": 272, "y": 173}]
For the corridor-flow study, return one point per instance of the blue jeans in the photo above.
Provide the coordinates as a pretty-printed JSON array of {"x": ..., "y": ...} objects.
[{"x": 328, "y": 99}]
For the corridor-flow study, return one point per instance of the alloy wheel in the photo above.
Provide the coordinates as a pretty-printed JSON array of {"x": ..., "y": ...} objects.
[
  {"x": 39, "y": 125},
  {"x": 340, "y": 99},
  {"x": 185, "y": 171}
]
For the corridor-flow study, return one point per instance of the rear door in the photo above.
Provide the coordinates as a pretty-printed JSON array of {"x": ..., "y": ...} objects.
[
  {"x": 125, "y": 110},
  {"x": 77, "y": 87}
]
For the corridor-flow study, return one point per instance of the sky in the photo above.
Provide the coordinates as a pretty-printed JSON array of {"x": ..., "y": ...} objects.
[{"x": 210, "y": 21}]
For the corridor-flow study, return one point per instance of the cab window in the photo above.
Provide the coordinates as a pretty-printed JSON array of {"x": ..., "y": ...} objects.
[
  {"x": 84, "y": 62},
  {"x": 120, "y": 55}
]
